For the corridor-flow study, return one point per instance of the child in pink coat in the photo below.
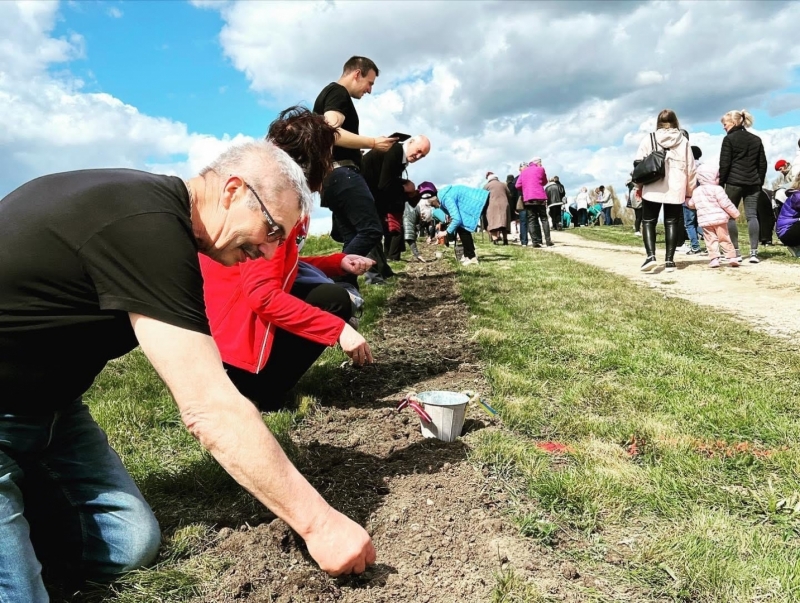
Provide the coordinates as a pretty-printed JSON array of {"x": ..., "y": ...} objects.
[{"x": 714, "y": 209}]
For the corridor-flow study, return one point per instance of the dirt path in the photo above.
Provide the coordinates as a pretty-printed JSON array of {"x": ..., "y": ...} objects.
[
  {"x": 433, "y": 519},
  {"x": 767, "y": 295},
  {"x": 437, "y": 521}
]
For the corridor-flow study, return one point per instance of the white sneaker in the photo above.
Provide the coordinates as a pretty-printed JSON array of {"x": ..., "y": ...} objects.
[{"x": 637, "y": 234}]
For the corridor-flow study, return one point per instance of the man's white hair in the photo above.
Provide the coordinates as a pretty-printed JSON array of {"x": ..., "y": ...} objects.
[{"x": 268, "y": 169}]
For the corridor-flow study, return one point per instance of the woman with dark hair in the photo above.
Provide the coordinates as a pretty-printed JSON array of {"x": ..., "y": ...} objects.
[
  {"x": 742, "y": 169},
  {"x": 670, "y": 192},
  {"x": 308, "y": 140},
  {"x": 271, "y": 319}
]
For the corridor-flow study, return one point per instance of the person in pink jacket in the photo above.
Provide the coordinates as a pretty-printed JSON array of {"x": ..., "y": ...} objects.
[
  {"x": 531, "y": 182},
  {"x": 714, "y": 209}
]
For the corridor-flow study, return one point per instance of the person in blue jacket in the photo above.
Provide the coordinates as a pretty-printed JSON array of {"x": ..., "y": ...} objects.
[{"x": 463, "y": 206}]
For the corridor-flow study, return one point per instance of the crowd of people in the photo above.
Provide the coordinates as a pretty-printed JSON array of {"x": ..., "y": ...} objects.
[
  {"x": 700, "y": 201},
  {"x": 206, "y": 276},
  {"x": 696, "y": 205}
]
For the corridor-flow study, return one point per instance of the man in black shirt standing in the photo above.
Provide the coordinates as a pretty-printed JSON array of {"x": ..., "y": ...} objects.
[
  {"x": 345, "y": 193},
  {"x": 93, "y": 263}
]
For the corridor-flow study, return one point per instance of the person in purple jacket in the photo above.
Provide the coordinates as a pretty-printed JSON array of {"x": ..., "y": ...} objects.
[
  {"x": 531, "y": 182},
  {"x": 787, "y": 226}
]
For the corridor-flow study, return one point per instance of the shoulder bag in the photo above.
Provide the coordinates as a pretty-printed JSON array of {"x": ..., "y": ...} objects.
[{"x": 652, "y": 168}]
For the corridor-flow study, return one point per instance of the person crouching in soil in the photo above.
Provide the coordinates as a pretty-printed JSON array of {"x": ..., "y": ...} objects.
[
  {"x": 714, "y": 209},
  {"x": 272, "y": 318},
  {"x": 463, "y": 206},
  {"x": 788, "y": 224},
  {"x": 418, "y": 211}
]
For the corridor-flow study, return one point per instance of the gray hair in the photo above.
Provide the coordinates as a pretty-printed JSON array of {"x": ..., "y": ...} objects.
[
  {"x": 265, "y": 167},
  {"x": 739, "y": 118}
]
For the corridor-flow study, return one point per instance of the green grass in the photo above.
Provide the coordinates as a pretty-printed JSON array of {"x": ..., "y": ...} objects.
[
  {"x": 581, "y": 357},
  {"x": 623, "y": 235},
  {"x": 320, "y": 245},
  {"x": 707, "y": 508}
]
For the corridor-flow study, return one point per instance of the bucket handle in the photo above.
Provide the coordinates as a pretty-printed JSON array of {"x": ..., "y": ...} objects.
[
  {"x": 475, "y": 397},
  {"x": 416, "y": 407}
]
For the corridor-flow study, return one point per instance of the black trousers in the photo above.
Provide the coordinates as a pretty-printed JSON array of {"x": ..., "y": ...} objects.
[
  {"x": 672, "y": 214},
  {"x": 573, "y": 211},
  {"x": 355, "y": 218},
  {"x": 393, "y": 245},
  {"x": 766, "y": 217},
  {"x": 538, "y": 223},
  {"x": 791, "y": 238},
  {"x": 381, "y": 266},
  {"x": 467, "y": 242},
  {"x": 637, "y": 225},
  {"x": 555, "y": 216},
  {"x": 291, "y": 355}
]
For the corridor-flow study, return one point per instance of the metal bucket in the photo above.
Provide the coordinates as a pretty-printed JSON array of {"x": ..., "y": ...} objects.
[{"x": 441, "y": 413}]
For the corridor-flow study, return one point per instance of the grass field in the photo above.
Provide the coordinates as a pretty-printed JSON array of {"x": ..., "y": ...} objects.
[
  {"x": 680, "y": 426},
  {"x": 623, "y": 235}
]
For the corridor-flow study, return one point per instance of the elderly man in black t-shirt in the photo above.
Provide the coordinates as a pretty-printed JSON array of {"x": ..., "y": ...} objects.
[
  {"x": 93, "y": 263},
  {"x": 345, "y": 192}
]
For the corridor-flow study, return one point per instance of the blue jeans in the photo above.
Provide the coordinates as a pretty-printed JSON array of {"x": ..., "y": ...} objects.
[
  {"x": 355, "y": 216},
  {"x": 523, "y": 227},
  {"x": 690, "y": 222},
  {"x": 607, "y": 216},
  {"x": 82, "y": 516}
]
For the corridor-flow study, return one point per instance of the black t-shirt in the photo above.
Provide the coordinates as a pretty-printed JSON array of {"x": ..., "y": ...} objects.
[
  {"x": 334, "y": 97},
  {"x": 80, "y": 250}
]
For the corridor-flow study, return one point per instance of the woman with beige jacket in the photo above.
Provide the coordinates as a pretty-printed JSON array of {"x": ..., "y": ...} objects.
[{"x": 670, "y": 192}]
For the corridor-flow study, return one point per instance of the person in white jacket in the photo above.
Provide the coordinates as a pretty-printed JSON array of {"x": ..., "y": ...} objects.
[
  {"x": 670, "y": 192},
  {"x": 582, "y": 203}
]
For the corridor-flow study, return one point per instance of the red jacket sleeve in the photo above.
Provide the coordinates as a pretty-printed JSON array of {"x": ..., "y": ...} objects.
[
  {"x": 331, "y": 264},
  {"x": 263, "y": 283}
]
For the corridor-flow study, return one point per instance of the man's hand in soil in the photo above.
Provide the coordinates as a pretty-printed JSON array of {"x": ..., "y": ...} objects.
[
  {"x": 355, "y": 346},
  {"x": 339, "y": 545},
  {"x": 356, "y": 264}
]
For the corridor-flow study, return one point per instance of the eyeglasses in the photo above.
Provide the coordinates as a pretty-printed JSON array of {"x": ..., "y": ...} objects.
[{"x": 275, "y": 230}]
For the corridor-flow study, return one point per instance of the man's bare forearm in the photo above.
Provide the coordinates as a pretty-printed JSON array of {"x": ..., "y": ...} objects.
[
  {"x": 349, "y": 140},
  {"x": 233, "y": 432}
]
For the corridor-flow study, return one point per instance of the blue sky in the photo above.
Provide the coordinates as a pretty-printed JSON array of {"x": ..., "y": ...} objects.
[
  {"x": 166, "y": 85},
  {"x": 164, "y": 58}
]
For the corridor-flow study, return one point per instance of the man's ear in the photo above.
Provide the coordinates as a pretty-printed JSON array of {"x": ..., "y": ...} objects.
[{"x": 232, "y": 184}]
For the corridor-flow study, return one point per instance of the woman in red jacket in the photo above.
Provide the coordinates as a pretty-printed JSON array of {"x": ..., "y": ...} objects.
[{"x": 269, "y": 329}]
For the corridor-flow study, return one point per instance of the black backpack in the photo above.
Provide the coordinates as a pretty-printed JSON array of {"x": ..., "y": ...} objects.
[{"x": 651, "y": 168}]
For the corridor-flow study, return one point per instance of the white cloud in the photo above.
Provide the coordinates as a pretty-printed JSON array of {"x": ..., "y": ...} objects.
[
  {"x": 49, "y": 124},
  {"x": 645, "y": 78},
  {"x": 114, "y": 12},
  {"x": 578, "y": 83}
]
